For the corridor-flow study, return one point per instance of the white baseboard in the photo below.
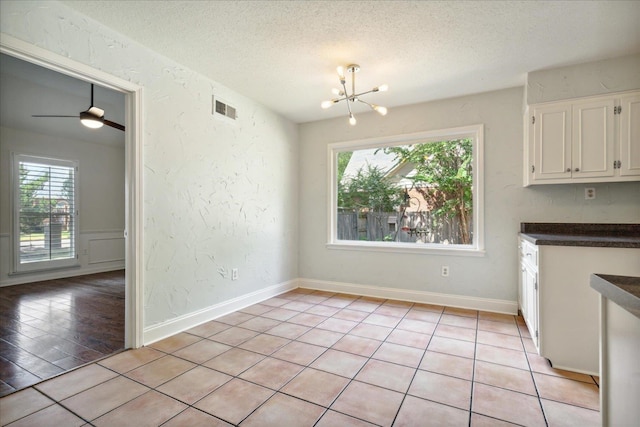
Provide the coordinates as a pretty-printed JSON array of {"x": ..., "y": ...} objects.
[
  {"x": 449, "y": 300},
  {"x": 179, "y": 324},
  {"x": 62, "y": 273}
]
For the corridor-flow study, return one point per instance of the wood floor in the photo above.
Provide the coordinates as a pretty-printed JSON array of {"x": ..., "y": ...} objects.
[{"x": 49, "y": 327}]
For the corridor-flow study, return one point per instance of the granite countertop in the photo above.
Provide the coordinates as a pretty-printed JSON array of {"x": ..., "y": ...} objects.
[
  {"x": 591, "y": 235},
  {"x": 623, "y": 290}
]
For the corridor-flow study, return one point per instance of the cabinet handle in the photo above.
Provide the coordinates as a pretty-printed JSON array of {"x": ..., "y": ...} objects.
[
  {"x": 568, "y": 169},
  {"x": 577, "y": 170}
]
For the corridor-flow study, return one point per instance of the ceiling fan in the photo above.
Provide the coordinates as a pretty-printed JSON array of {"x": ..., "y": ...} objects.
[{"x": 92, "y": 118}]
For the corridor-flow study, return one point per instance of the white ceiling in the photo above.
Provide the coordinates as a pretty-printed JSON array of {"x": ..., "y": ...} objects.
[{"x": 284, "y": 53}]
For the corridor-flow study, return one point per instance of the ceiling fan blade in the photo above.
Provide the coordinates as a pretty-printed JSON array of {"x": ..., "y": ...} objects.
[
  {"x": 41, "y": 115},
  {"x": 114, "y": 124}
]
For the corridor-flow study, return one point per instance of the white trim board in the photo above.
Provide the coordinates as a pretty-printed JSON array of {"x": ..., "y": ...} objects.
[
  {"x": 449, "y": 300},
  {"x": 179, "y": 324}
]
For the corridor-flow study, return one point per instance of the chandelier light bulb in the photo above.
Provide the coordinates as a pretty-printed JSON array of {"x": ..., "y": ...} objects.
[
  {"x": 352, "y": 119},
  {"x": 381, "y": 110},
  {"x": 340, "y": 71},
  {"x": 326, "y": 104},
  {"x": 383, "y": 88}
]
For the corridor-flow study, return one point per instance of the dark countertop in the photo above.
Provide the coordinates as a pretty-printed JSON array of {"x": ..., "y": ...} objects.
[
  {"x": 623, "y": 290},
  {"x": 590, "y": 235}
]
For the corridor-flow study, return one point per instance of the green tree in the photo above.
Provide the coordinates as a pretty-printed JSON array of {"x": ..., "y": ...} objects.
[
  {"x": 444, "y": 178},
  {"x": 369, "y": 191},
  {"x": 33, "y": 212}
]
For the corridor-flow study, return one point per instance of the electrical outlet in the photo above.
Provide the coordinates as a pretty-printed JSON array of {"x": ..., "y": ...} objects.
[
  {"x": 445, "y": 271},
  {"x": 234, "y": 274},
  {"x": 589, "y": 193}
]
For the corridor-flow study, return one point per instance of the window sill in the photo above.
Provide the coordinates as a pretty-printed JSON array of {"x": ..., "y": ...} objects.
[{"x": 411, "y": 248}]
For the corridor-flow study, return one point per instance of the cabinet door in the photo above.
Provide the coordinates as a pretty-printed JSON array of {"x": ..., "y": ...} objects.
[
  {"x": 630, "y": 135},
  {"x": 552, "y": 142},
  {"x": 592, "y": 153},
  {"x": 531, "y": 318}
]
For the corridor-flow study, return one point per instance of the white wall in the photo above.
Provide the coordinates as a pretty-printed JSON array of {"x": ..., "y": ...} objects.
[
  {"x": 507, "y": 203},
  {"x": 101, "y": 199},
  {"x": 216, "y": 195}
]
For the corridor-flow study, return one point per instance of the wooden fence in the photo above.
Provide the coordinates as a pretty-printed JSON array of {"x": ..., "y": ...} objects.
[{"x": 387, "y": 226}]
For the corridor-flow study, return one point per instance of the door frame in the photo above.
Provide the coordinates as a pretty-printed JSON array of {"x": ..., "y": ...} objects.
[{"x": 133, "y": 232}]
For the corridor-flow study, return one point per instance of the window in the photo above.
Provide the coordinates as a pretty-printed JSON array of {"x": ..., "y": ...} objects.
[
  {"x": 45, "y": 213},
  {"x": 417, "y": 192}
]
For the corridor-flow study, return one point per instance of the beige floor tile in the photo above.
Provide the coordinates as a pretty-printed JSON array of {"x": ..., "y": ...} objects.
[
  {"x": 97, "y": 401},
  {"x": 299, "y": 352},
  {"x": 195, "y": 384},
  {"x": 54, "y": 415},
  {"x": 498, "y": 327},
  {"x": 447, "y": 364},
  {"x": 455, "y": 332},
  {"x": 386, "y": 375},
  {"x": 264, "y": 344},
  {"x": 175, "y": 342},
  {"x": 428, "y": 307},
  {"x": 235, "y": 318},
  {"x": 507, "y": 405},
  {"x": 160, "y": 371},
  {"x": 502, "y": 356},
  {"x": 497, "y": 317},
  {"x": 335, "y": 419},
  {"x": 541, "y": 365},
  {"x": 323, "y": 310},
  {"x": 337, "y": 325},
  {"x": 75, "y": 381},
  {"x": 321, "y": 337},
  {"x": 369, "y": 403},
  {"x": 281, "y": 314},
  {"x": 563, "y": 415},
  {"x": 353, "y": 315},
  {"x": 416, "y": 412},
  {"x": 298, "y": 305},
  {"x": 391, "y": 310},
  {"x": 362, "y": 305},
  {"x": 459, "y": 321},
  {"x": 505, "y": 377},
  {"x": 193, "y": 418},
  {"x": 282, "y": 410},
  {"x": 272, "y": 373},
  {"x": 425, "y": 316},
  {"x": 235, "y": 400},
  {"x": 529, "y": 346},
  {"x": 150, "y": 409},
  {"x": 417, "y": 326},
  {"x": 408, "y": 338},
  {"x": 400, "y": 354},
  {"x": 234, "y": 361},
  {"x": 568, "y": 391},
  {"x": 465, "y": 312},
  {"x": 259, "y": 324},
  {"x": 256, "y": 309},
  {"x": 316, "y": 386},
  {"x": 201, "y": 351},
  {"x": 288, "y": 330},
  {"x": 21, "y": 404},
  {"x": 357, "y": 345},
  {"x": 275, "y": 302},
  {"x": 210, "y": 328},
  {"x": 307, "y": 319},
  {"x": 131, "y": 359},
  {"x": 478, "y": 420},
  {"x": 452, "y": 346},
  {"x": 233, "y": 336},
  {"x": 429, "y": 385},
  {"x": 316, "y": 297},
  {"x": 339, "y": 363},
  {"x": 338, "y": 302},
  {"x": 374, "y": 332},
  {"x": 500, "y": 340}
]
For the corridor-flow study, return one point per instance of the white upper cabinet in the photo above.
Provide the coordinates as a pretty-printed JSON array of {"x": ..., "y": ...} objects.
[{"x": 584, "y": 140}]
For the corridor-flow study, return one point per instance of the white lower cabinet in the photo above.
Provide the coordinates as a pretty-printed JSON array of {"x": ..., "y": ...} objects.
[{"x": 560, "y": 308}]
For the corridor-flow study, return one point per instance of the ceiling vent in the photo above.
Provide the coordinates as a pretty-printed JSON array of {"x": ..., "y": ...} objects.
[{"x": 221, "y": 109}]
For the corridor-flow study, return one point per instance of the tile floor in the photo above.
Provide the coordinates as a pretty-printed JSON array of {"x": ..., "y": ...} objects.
[
  {"x": 311, "y": 358},
  {"x": 52, "y": 326}
]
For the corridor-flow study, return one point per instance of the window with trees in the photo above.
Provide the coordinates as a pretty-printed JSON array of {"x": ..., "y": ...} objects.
[
  {"x": 45, "y": 212},
  {"x": 410, "y": 192}
]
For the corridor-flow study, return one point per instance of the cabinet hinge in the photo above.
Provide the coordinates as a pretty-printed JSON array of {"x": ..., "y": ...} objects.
[
  {"x": 536, "y": 334},
  {"x": 533, "y": 168},
  {"x": 535, "y": 286},
  {"x": 533, "y": 120},
  {"x": 617, "y": 110},
  {"x": 617, "y": 164}
]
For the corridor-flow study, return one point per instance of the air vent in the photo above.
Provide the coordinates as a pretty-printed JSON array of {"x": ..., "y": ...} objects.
[{"x": 222, "y": 109}]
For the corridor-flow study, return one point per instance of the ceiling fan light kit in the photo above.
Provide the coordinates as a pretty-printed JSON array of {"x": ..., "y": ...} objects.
[
  {"x": 92, "y": 118},
  {"x": 343, "y": 95}
]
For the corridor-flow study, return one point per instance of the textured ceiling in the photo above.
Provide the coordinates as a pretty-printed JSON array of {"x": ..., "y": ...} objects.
[{"x": 284, "y": 53}]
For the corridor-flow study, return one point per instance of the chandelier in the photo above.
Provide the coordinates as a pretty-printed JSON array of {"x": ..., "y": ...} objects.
[{"x": 343, "y": 95}]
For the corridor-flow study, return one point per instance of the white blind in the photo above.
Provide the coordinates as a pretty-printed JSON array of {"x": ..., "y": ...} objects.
[{"x": 46, "y": 209}]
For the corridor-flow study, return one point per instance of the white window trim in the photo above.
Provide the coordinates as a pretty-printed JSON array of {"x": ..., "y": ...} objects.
[
  {"x": 15, "y": 182},
  {"x": 476, "y": 249}
]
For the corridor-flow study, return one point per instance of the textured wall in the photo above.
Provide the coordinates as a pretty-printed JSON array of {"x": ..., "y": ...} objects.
[
  {"x": 216, "y": 195},
  {"x": 507, "y": 203}
]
